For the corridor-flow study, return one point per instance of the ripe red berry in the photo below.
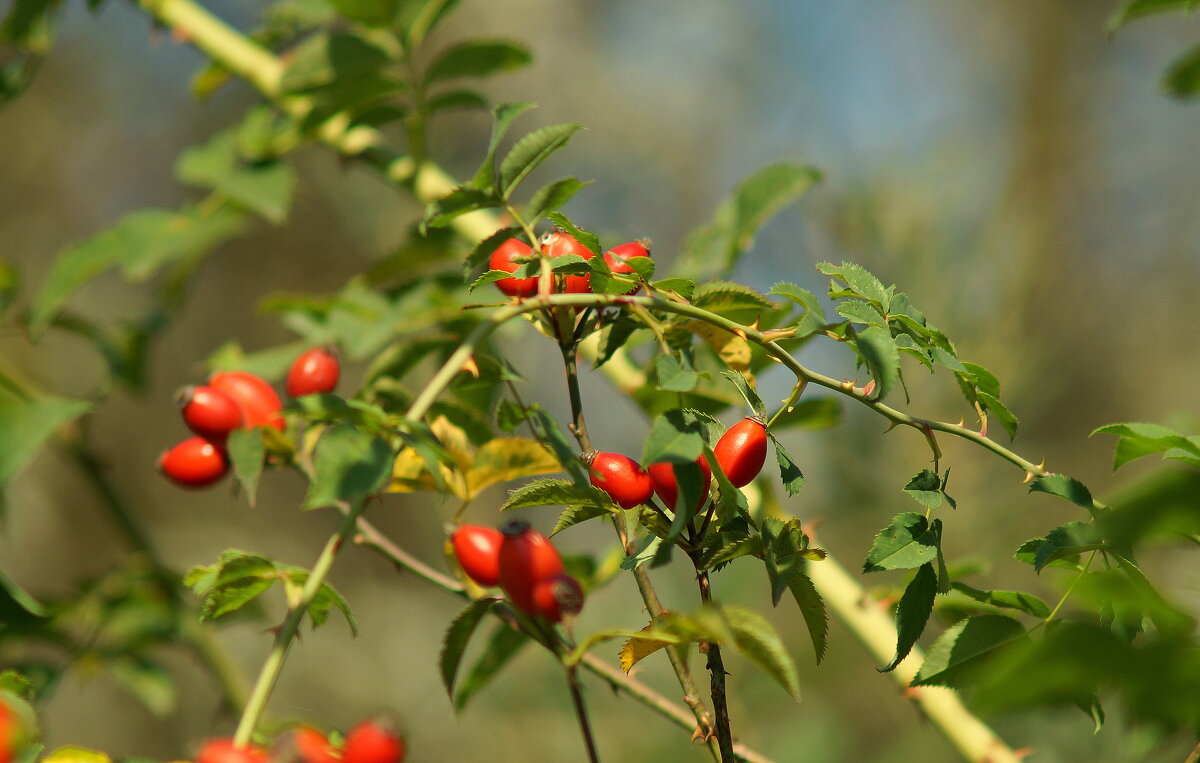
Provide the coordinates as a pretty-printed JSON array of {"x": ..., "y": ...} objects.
[
  {"x": 622, "y": 478},
  {"x": 195, "y": 462},
  {"x": 662, "y": 476},
  {"x": 742, "y": 451},
  {"x": 502, "y": 259},
  {"x": 316, "y": 370},
  {"x": 373, "y": 741},
  {"x": 556, "y": 597},
  {"x": 209, "y": 412},
  {"x": 526, "y": 558},
  {"x": 477, "y": 549},
  {"x": 558, "y": 243},
  {"x": 303, "y": 744},
  {"x": 13, "y": 733},
  {"x": 258, "y": 400},
  {"x": 618, "y": 257},
  {"x": 223, "y": 750}
]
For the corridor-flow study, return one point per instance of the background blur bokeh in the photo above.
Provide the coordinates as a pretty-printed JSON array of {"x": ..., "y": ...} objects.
[{"x": 1014, "y": 170}]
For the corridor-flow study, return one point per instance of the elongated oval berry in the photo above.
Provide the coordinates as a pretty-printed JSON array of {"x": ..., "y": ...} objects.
[
  {"x": 502, "y": 259},
  {"x": 742, "y": 451},
  {"x": 558, "y": 243},
  {"x": 303, "y": 744},
  {"x": 315, "y": 371},
  {"x": 626, "y": 482},
  {"x": 195, "y": 462},
  {"x": 618, "y": 257},
  {"x": 223, "y": 750},
  {"x": 209, "y": 412},
  {"x": 373, "y": 741},
  {"x": 662, "y": 476},
  {"x": 477, "y": 549},
  {"x": 258, "y": 400},
  {"x": 556, "y": 597},
  {"x": 526, "y": 558}
]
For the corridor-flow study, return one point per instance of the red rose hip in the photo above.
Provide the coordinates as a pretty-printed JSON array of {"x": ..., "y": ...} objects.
[
  {"x": 742, "y": 451},
  {"x": 195, "y": 462},
  {"x": 209, "y": 412},
  {"x": 315, "y": 371},
  {"x": 225, "y": 751},
  {"x": 557, "y": 597},
  {"x": 662, "y": 476},
  {"x": 502, "y": 259},
  {"x": 625, "y": 481},
  {"x": 558, "y": 243},
  {"x": 258, "y": 400},
  {"x": 526, "y": 558},
  {"x": 618, "y": 257},
  {"x": 477, "y": 549},
  {"x": 373, "y": 741}
]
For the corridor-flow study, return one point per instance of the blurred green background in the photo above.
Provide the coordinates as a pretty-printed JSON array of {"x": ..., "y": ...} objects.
[{"x": 1014, "y": 170}]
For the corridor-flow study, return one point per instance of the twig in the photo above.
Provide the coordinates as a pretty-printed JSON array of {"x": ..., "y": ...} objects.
[{"x": 716, "y": 670}]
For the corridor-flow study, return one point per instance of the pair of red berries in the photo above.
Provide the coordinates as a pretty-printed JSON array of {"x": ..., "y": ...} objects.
[
  {"x": 558, "y": 243},
  {"x": 238, "y": 400},
  {"x": 741, "y": 453},
  {"x": 372, "y": 741},
  {"x": 524, "y": 563}
]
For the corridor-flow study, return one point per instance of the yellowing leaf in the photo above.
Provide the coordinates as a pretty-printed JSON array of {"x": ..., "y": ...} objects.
[
  {"x": 635, "y": 649},
  {"x": 410, "y": 473},
  {"x": 508, "y": 458},
  {"x": 734, "y": 350},
  {"x": 76, "y": 755}
]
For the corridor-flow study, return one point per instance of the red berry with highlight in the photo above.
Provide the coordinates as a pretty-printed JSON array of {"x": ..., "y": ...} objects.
[
  {"x": 477, "y": 549},
  {"x": 258, "y": 400},
  {"x": 526, "y": 558},
  {"x": 209, "y": 412},
  {"x": 303, "y": 744},
  {"x": 557, "y": 597},
  {"x": 223, "y": 750},
  {"x": 662, "y": 476},
  {"x": 742, "y": 451},
  {"x": 626, "y": 482},
  {"x": 195, "y": 462},
  {"x": 502, "y": 259},
  {"x": 315, "y": 371},
  {"x": 558, "y": 243},
  {"x": 373, "y": 741}
]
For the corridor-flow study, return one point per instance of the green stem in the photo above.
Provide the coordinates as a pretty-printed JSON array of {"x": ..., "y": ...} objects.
[
  {"x": 269, "y": 674},
  {"x": 1070, "y": 589},
  {"x": 581, "y": 713}
]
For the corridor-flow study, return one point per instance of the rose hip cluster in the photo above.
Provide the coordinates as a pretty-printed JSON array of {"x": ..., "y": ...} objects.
[
  {"x": 741, "y": 453},
  {"x": 558, "y": 243},
  {"x": 524, "y": 563},
  {"x": 372, "y": 741},
  {"x": 238, "y": 400}
]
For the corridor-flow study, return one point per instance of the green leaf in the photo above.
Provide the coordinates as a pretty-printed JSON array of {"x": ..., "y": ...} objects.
[
  {"x": 789, "y": 473},
  {"x": 556, "y": 492},
  {"x": 878, "y": 349},
  {"x": 812, "y": 607},
  {"x": 857, "y": 311},
  {"x": 326, "y": 599},
  {"x": 369, "y": 12},
  {"x": 1182, "y": 79},
  {"x": 859, "y": 281},
  {"x": 999, "y": 412},
  {"x": 563, "y": 448},
  {"x": 552, "y": 196},
  {"x": 27, "y": 423},
  {"x": 1138, "y": 439},
  {"x": 913, "y": 613},
  {"x": 574, "y": 515},
  {"x": 909, "y": 541},
  {"x": 349, "y": 465},
  {"x": 147, "y": 681},
  {"x": 965, "y": 648},
  {"x": 529, "y": 152},
  {"x": 748, "y": 393},
  {"x": 813, "y": 318},
  {"x": 503, "y": 116},
  {"x": 586, "y": 238},
  {"x": 676, "y": 436},
  {"x": 247, "y": 453},
  {"x": 757, "y": 639},
  {"x": 264, "y": 188},
  {"x": 503, "y": 645},
  {"x": 1135, "y": 9},
  {"x": 925, "y": 489},
  {"x": 1024, "y": 602},
  {"x": 458, "y": 635},
  {"x": 1064, "y": 487},
  {"x": 1067, "y": 541},
  {"x": 233, "y": 582},
  {"x": 726, "y": 296},
  {"x": 460, "y": 201},
  {"x": 17, "y": 606},
  {"x": 647, "y": 550},
  {"x": 478, "y": 58},
  {"x": 984, "y": 380},
  {"x": 456, "y": 99},
  {"x": 326, "y": 58},
  {"x": 672, "y": 376}
]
